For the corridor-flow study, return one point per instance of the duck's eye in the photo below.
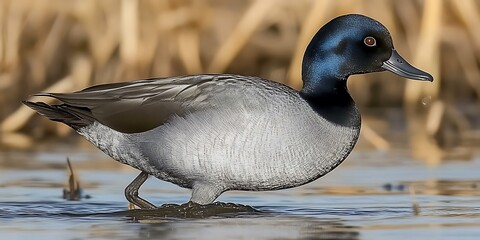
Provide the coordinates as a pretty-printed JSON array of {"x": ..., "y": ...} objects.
[{"x": 370, "y": 41}]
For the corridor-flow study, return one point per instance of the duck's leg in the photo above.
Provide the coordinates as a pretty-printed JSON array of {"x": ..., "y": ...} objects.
[
  {"x": 131, "y": 192},
  {"x": 205, "y": 193}
]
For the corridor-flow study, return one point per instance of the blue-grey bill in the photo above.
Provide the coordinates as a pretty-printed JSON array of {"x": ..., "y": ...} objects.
[{"x": 396, "y": 64}]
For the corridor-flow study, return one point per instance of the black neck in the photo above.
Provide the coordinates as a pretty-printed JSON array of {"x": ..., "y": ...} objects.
[{"x": 329, "y": 97}]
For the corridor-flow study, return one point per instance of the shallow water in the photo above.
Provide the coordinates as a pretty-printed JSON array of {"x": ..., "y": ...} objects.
[{"x": 370, "y": 196}]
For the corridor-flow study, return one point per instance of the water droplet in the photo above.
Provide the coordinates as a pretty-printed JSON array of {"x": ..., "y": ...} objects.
[{"x": 426, "y": 100}]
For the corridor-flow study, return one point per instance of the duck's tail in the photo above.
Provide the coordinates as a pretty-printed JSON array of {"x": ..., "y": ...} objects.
[{"x": 75, "y": 117}]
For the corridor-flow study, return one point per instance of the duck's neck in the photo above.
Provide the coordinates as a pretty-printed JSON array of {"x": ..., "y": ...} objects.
[{"x": 328, "y": 95}]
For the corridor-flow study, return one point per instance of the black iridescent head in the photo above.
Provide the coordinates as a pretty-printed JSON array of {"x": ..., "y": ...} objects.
[{"x": 347, "y": 45}]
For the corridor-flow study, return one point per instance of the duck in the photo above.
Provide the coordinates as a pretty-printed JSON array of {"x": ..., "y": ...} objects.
[{"x": 214, "y": 133}]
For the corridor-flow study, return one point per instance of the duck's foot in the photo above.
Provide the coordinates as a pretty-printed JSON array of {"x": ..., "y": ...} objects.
[{"x": 131, "y": 192}]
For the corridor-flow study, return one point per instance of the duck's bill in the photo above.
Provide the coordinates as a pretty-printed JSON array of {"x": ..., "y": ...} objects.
[{"x": 396, "y": 64}]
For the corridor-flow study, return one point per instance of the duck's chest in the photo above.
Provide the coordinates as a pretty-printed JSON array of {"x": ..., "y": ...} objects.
[
  {"x": 314, "y": 150},
  {"x": 331, "y": 147}
]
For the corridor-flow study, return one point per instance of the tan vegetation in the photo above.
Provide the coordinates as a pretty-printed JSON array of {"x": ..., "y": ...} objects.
[{"x": 63, "y": 45}]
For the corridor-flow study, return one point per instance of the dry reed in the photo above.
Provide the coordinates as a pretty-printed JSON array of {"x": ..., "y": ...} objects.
[{"x": 67, "y": 45}]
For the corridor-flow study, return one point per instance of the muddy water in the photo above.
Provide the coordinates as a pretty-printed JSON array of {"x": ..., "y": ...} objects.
[{"x": 370, "y": 196}]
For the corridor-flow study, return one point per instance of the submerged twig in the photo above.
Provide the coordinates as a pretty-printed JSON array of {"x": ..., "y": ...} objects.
[
  {"x": 73, "y": 193},
  {"x": 415, "y": 205}
]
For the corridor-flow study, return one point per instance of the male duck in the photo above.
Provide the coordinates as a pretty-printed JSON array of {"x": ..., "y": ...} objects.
[{"x": 218, "y": 132}]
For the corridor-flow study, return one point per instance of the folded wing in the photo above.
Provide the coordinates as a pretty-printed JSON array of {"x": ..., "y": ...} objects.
[{"x": 142, "y": 105}]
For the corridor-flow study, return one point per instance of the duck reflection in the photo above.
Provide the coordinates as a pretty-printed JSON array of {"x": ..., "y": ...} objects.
[
  {"x": 250, "y": 227},
  {"x": 233, "y": 221}
]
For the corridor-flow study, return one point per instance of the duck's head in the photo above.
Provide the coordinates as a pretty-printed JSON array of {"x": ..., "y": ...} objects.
[{"x": 347, "y": 45}]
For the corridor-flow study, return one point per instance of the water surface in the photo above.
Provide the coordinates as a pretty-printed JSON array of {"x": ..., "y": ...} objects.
[{"x": 370, "y": 196}]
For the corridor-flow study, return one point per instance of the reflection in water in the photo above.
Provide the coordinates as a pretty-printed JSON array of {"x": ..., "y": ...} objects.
[
  {"x": 232, "y": 221},
  {"x": 146, "y": 224},
  {"x": 250, "y": 227}
]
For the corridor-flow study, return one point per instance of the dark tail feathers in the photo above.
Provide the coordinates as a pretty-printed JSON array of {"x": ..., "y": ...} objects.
[{"x": 74, "y": 117}]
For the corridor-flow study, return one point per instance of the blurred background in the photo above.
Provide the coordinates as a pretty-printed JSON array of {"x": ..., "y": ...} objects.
[{"x": 67, "y": 45}]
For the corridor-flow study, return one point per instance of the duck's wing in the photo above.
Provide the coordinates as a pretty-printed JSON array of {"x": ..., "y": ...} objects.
[{"x": 138, "y": 106}]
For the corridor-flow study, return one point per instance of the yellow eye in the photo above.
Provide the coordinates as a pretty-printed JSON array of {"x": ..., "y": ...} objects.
[{"x": 370, "y": 41}]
